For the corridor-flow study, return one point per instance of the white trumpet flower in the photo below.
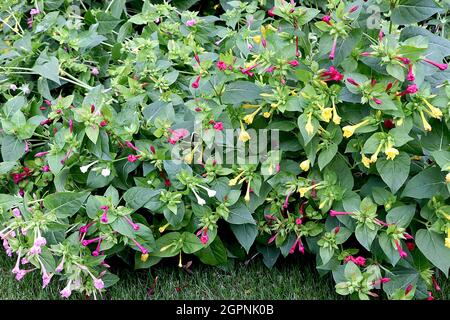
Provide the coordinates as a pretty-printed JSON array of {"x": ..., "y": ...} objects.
[
  {"x": 200, "y": 200},
  {"x": 85, "y": 168},
  {"x": 106, "y": 172},
  {"x": 211, "y": 193}
]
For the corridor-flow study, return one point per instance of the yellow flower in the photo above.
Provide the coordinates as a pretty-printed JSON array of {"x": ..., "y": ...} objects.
[
  {"x": 391, "y": 153},
  {"x": 188, "y": 158},
  {"x": 399, "y": 122},
  {"x": 266, "y": 114},
  {"x": 425, "y": 123},
  {"x": 309, "y": 127},
  {"x": 327, "y": 114},
  {"x": 302, "y": 191},
  {"x": 374, "y": 157},
  {"x": 416, "y": 157},
  {"x": 249, "y": 118},
  {"x": 305, "y": 165},
  {"x": 144, "y": 257},
  {"x": 348, "y": 131},
  {"x": 244, "y": 136},
  {"x": 447, "y": 242},
  {"x": 163, "y": 228},
  {"x": 447, "y": 178},
  {"x": 435, "y": 112},
  {"x": 234, "y": 181},
  {"x": 336, "y": 117},
  {"x": 257, "y": 39},
  {"x": 247, "y": 194},
  {"x": 365, "y": 161}
]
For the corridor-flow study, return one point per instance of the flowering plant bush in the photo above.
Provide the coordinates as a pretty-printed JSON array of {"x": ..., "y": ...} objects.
[{"x": 110, "y": 111}]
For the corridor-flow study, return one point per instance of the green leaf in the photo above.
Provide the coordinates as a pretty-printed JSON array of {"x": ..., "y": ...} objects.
[
  {"x": 432, "y": 246},
  {"x": 426, "y": 184},
  {"x": 241, "y": 91},
  {"x": 8, "y": 201},
  {"x": 401, "y": 216},
  {"x": 390, "y": 252},
  {"x": 327, "y": 155},
  {"x": 245, "y": 233},
  {"x": 270, "y": 255},
  {"x": 191, "y": 243},
  {"x": 12, "y": 148},
  {"x": 239, "y": 214},
  {"x": 394, "y": 172},
  {"x": 413, "y": 11},
  {"x": 365, "y": 236},
  {"x": 138, "y": 197},
  {"x": 48, "y": 69},
  {"x": 214, "y": 254},
  {"x": 65, "y": 204},
  {"x": 122, "y": 226},
  {"x": 92, "y": 132}
]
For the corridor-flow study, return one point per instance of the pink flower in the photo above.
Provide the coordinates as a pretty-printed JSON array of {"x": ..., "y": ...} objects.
[
  {"x": 203, "y": 233},
  {"x": 103, "y": 123},
  {"x": 143, "y": 250},
  {"x": 339, "y": 213},
  {"x": 377, "y": 101},
  {"x": 34, "y": 11},
  {"x": 441, "y": 66},
  {"x": 293, "y": 63},
  {"x": 132, "y": 224},
  {"x": 332, "y": 74},
  {"x": 247, "y": 70},
  {"x": 410, "y": 76},
  {"x": 435, "y": 284},
  {"x": 195, "y": 84},
  {"x": 40, "y": 241},
  {"x": 286, "y": 201},
  {"x": 190, "y": 23},
  {"x": 326, "y": 19},
  {"x": 270, "y": 69},
  {"x": 333, "y": 49},
  {"x": 353, "y": 9},
  {"x": 270, "y": 12},
  {"x": 16, "y": 212},
  {"x": 46, "y": 279},
  {"x": 104, "y": 218},
  {"x": 401, "y": 252},
  {"x": 409, "y": 90},
  {"x": 94, "y": 71},
  {"x": 66, "y": 292},
  {"x": 177, "y": 134},
  {"x": 132, "y": 158},
  {"x": 301, "y": 248},
  {"x": 45, "y": 168},
  {"x": 366, "y": 54},
  {"x": 98, "y": 284},
  {"x": 221, "y": 65},
  {"x": 353, "y": 82},
  {"x": 218, "y": 126},
  {"x": 404, "y": 60},
  {"x": 297, "y": 52},
  {"x": 298, "y": 221},
  {"x": 40, "y": 154},
  {"x": 380, "y": 35}
]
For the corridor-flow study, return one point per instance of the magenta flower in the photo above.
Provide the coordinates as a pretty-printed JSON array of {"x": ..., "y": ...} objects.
[
  {"x": 104, "y": 218},
  {"x": 247, "y": 71},
  {"x": 141, "y": 248},
  {"x": 34, "y": 11},
  {"x": 298, "y": 221},
  {"x": 410, "y": 76},
  {"x": 404, "y": 60},
  {"x": 190, "y": 23},
  {"x": 353, "y": 82},
  {"x": 332, "y": 74},
  {"x": 177, "y": 135},
  {"x": 339, "y": 213},
  {"x": 377, "y": 101},
  {"x": 45, "y": 168},
  {"x": 132, "y": 224},
  {"x": 366, "y": 54},
  {"x": 293, "y": 63},
  {"x": 441, "y": 66},
  {"x": 218, "y": 126},
  {"x": 270, "y": 12},
  {"x": 326, "y": 19},
  {"x": 401, "y": 252},
  {"x": 298, "y": 243},
  {"x": 132, "y": 158},
  {"x": 353, "y": 9},
  {"x": 203, "y": 233},
  {"x": 270, "y": 69},
  {"x": 221, "y": 65},
  {"x": 195, "y": 84},
  {"x": 333, "y": 49},
  {"x": 409, "y": 90},
  {"x": 40, "y": 154}
]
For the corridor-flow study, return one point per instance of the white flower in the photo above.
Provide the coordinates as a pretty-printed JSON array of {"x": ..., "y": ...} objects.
[
  {"x": 85, "y": 168},
  {"x": 106, "y": 172},
  {"x": 211, "y": 193},
  {"x": 200, "y": 200}
]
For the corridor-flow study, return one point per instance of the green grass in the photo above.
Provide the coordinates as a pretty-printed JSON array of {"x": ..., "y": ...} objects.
[{"x": 293, "y": 280}]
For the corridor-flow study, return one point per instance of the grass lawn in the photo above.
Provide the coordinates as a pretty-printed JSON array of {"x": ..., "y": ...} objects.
[{"x": 292, "y": 279}]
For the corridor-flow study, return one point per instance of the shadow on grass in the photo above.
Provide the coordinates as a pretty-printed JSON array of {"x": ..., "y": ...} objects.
[{"x": 295, "y": 278}]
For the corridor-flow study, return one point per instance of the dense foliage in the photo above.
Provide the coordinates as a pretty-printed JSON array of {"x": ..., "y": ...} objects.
[{"x": 109, "y": 109}]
